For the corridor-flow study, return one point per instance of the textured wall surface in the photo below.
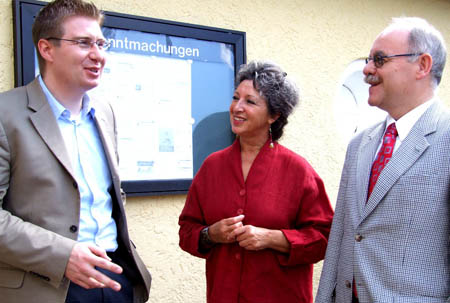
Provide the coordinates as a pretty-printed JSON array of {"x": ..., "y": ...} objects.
[{"x": 313, "y": 41}]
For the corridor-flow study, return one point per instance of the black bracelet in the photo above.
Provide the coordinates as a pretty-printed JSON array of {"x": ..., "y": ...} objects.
[{"x": 205, "y": 242}]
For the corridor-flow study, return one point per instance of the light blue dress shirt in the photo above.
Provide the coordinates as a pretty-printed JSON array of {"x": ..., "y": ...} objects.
[{"x": 90, "y": 166}]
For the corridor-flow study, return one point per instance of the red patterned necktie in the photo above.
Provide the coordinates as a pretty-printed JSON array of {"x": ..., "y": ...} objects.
[{"x": 383, "y": 156}]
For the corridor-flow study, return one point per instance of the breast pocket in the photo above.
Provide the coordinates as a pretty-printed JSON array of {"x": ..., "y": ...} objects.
[{"x": 11, "y": 277}]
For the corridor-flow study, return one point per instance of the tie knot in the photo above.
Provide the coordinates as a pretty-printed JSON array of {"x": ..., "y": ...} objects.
[{"x": 392, "y": 130}]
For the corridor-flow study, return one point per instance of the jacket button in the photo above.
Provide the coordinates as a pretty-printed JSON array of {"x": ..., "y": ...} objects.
[
  {"x": 358, "y": 238},
  {"x": 348, "y": 284},
  {"x": 242, "y": 192},
  {"x": 73, "y": 229},
  {"x": 75, "y": 185}
]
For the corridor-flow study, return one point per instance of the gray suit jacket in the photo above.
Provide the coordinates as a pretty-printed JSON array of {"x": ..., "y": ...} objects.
[
  {"x": 40, "y": 202},
  {"x": 396, "y": 245}
]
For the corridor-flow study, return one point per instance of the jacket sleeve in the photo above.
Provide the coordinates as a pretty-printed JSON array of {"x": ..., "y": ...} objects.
[
  {"x": 192, "y": 221},
  {"x": 25, "y": 246},
  {"x": 308, "y": 240}
]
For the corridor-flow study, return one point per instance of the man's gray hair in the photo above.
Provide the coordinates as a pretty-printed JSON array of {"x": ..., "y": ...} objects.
[{"x": 423, "y": 38}]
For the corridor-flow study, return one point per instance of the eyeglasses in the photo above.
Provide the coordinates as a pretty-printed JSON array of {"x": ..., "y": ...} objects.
[
  {"x": 380, "y": 60},
  {"x": 86, "y": 43}
]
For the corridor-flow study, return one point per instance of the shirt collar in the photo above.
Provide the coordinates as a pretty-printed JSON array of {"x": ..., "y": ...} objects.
[
  {"x": 407, "y": 121},
  {"x": 59, "y": 110}
]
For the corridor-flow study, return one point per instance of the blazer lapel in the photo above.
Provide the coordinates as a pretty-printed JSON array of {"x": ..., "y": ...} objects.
[
  {"x": 108, "y": 147},
  {"x": 107, "y": 134},
  {"x": 366, "y": 154},
  {"x": 414, "y": 145},
  {"x": 45, "y": 123}
]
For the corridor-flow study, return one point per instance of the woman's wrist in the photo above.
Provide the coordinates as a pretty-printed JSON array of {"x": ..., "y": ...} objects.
[
  {"x": 205, "y": 242},
  {"x": 278, "y": 241}
]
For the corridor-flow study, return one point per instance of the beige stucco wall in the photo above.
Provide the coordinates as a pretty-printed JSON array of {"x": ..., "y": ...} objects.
[{"x": 314, "y": 41}]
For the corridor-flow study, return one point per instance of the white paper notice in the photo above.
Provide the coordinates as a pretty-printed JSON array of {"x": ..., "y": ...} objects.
[{"x": 151, "y": 97}]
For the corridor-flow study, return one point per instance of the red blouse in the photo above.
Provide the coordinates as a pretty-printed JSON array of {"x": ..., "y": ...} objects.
[{"x": 283, "y": 192}]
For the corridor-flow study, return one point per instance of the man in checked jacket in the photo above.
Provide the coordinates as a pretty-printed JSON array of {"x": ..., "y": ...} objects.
[{"x": 389, "y": 240}]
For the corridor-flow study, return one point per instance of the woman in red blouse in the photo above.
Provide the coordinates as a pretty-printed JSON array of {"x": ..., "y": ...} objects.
[{"x": 256, "y": 211}]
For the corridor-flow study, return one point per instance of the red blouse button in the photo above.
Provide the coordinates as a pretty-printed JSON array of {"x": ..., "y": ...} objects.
[
  {"x": 240, "y": 211},
  {"x": 237, "y": 256},
  {"x": 242, "y": 192}
]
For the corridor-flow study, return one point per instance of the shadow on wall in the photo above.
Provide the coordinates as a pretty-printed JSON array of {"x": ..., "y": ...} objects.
[{"x": 211, "y": 134}]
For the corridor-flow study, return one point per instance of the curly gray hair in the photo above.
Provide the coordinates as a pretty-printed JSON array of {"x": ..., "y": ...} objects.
[{"x": 280, "y": 93}]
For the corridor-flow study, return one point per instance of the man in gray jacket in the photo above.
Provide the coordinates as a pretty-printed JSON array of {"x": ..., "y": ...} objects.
[{"x": 389, "y": 240}]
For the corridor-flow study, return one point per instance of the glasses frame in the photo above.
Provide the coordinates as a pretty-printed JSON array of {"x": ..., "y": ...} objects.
[
  {"x": 85, "y": 43},
  {"x": 379, "y": 60}
]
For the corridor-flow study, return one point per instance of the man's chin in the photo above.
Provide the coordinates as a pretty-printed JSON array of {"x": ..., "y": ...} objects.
[
  {"x": 374, "y": 99},
  {"x": 91, "y": 85},
  {"x": 372, "y": 102}
]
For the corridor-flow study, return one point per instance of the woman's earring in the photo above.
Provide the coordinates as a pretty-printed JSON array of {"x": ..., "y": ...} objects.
[{"x": 270, "y": 135}]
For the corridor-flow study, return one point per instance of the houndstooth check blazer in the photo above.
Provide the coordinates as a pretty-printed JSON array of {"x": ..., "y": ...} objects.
[{"x": 395, "y": 246}]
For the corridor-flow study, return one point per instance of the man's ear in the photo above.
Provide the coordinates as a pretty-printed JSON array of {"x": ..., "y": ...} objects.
[
  {"x": 45, "y": 48},
  {"x": 425, "y": 62}
]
